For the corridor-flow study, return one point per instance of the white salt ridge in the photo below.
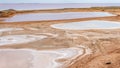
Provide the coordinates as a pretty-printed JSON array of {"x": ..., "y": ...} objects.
[
  {"x": 18, "y": 39},
  {"x": 27, "y": 58},
  {"x": 50, "y": 34},
  {"x": 32, "y": 28},
  {"x": 10, "y": 29},
  {"x": 86, "y": 25},
  {"x": 56, "y": 16}
]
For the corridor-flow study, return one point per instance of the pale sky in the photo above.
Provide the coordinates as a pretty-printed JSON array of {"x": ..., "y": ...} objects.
[{"x": 60, "y": 1}]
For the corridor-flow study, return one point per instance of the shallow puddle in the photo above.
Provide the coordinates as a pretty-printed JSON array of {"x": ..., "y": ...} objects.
[
  {"x": 55, "y": 16},
  {"x": 86, "y": 25}
]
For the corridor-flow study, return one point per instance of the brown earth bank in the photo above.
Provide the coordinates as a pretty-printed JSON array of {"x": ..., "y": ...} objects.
[{"x": 105, "y": 43}]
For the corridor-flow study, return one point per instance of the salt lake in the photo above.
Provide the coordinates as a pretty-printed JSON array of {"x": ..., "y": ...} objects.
[{"x": 56, "y": 16}]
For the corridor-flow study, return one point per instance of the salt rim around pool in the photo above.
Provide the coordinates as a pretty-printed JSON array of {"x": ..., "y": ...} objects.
[
  {"x": 19, "y": 39},
  {"x": 87, "y": 25}
]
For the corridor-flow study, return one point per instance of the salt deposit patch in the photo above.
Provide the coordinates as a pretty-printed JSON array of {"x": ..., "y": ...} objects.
[
  {"x": 49, "y": 57},
  {"x": 55, "y": 16},
  {"x": 86, "y": 25},
  {"x": 10, "y": 29},
  {"x": 17, "y": 39},
  {"x": 27, "y": 58}
]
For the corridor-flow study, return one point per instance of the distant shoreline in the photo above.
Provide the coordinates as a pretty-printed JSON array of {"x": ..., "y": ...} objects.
[{"x": 42, "y": 6}]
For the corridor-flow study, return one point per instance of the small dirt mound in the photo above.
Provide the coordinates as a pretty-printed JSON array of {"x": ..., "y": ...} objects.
[{"x": 7, "y": 13}]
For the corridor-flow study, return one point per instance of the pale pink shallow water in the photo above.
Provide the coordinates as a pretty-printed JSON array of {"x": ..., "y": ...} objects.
[
  {"x": 56, "y": 16},
  {"x": 33, "y": 6},
  {"x": 27, "y": 58}
]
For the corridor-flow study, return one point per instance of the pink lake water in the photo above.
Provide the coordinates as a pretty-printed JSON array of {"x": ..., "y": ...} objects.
[
  {"x": 33, "y": 6},
  {"x": 56, "y": 16}
]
